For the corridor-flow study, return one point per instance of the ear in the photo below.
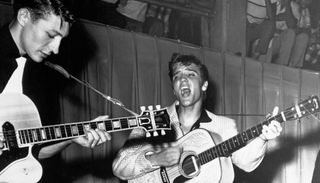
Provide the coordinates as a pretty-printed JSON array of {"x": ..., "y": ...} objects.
[
  {"x": 23, "y": 16},
  {"x": 204, "y": 86}
]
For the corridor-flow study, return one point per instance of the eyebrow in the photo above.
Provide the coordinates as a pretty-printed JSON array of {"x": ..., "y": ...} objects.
[
  {"x": 175, "y": 73},
  {"x": 192, "y": 70},
  {"x": 56, "y": 32},
  {"x": 188, "y": 69}
]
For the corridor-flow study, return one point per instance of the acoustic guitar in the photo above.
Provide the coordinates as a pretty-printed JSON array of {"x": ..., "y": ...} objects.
[{"x": 200, "y": 160}]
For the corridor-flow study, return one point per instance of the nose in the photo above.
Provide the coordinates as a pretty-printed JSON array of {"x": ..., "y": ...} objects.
[
  {"x": 54, "y": 45},
  {"x": 183, "y": 77}
]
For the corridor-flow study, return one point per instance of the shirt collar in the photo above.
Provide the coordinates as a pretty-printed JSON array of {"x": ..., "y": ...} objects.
[{"x": 204, "y": 118}]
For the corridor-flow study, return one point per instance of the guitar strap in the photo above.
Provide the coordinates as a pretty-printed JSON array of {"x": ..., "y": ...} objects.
[{"x": 14, "y": 84}]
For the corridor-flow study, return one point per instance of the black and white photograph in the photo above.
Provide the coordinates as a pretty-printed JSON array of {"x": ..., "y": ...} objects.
[{"x": 159, "y": 91}]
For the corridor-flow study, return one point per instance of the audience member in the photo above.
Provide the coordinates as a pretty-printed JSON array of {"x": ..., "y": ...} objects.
[
  {"x": 260, "y": 26},
  {"x": 312, "y": 56},
  {"x": 135, "y": 13},
  {"x": 292, "y": 33},
  {"x": 106, "y": 13}
]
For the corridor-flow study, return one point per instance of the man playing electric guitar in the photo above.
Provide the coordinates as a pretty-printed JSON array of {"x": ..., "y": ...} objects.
[
  {"x": 35, "y": 32},
  {"x": 141, "y": 158}
]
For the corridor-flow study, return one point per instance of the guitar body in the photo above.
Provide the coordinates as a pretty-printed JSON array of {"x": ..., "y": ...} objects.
[
  {"x": 193, "y": 143},
  {"x": 17, "y": 163}
]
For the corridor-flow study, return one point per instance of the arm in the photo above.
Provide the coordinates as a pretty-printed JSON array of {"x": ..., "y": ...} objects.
[
  {"x": 137, "y": 158},
  {"x": 249, "y": 157},
  {"x": 245, "y": 158},
  {"x": 131, "y": 161},
  {"x": 51, "y": 150},
  {"x": 165, "y": 157}
]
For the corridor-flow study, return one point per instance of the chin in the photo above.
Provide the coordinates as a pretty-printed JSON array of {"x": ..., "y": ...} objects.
[
  {"x": 185, "y": 103},
  {"x": 37, "y": 59}
]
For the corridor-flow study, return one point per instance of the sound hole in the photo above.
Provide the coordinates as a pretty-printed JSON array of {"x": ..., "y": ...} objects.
[{"x": 190, "y": 166}]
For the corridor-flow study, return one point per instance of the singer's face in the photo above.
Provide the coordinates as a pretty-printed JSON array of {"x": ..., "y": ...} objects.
[
  {"x": 42, "y": 37},
  {"x": 188, "y": 85}
]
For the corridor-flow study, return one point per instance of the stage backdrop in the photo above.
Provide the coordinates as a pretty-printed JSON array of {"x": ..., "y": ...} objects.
[{"x": 133, "y": 68}]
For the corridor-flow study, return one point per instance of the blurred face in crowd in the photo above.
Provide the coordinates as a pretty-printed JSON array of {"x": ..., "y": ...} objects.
[{"x": 41, "y": 37}]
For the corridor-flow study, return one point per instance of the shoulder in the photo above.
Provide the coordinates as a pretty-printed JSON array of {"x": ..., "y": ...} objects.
[
  {"x": 215, "y": 117},
  {"x": 221, "y": 120},
  {"x": 221, "y": 125}
]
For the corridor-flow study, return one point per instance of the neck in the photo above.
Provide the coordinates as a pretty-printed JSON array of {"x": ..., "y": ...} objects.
[
  {"x": 188, "y": 115},
  {"x": 15, "y": 30}
]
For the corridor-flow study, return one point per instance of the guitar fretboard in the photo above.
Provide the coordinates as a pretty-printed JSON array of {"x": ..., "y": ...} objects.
[
  {"x": 71, "y": 130},
  {"x": 233, "y": 144}
]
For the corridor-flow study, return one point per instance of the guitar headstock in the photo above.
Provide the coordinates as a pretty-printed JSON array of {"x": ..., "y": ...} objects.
[
  {"x": 154, "y": 120},
  {"x": 304, "y": 108}
]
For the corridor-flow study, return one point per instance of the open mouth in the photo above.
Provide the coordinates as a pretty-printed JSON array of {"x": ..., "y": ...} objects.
[{"x": 185, "y": 92}]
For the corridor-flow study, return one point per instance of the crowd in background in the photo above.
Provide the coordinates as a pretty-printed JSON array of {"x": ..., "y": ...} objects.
[
  {"x": 284, "y": 32},
  {"x": 152, "y": 19}
]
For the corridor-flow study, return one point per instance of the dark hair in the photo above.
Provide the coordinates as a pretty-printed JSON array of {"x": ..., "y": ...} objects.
[
  {"x": 41, "y": 8},
  {"x": 187, "y": 60}
]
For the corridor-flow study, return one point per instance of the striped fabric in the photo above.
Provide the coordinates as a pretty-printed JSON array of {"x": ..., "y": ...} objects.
[{"x": 256, "y": 11}]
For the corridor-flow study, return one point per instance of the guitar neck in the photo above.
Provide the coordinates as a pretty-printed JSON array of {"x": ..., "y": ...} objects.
[
  {"x": 72, "y": 130},
  {"x": 148, "y": 120},
  {"x": 233, "y": 144}
]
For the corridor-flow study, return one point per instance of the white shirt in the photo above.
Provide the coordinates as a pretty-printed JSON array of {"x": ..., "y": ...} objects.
[{"x": 14, "y": 84}]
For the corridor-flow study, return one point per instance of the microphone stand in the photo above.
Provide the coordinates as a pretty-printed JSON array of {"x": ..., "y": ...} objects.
[{"x": 62, "y": 71}]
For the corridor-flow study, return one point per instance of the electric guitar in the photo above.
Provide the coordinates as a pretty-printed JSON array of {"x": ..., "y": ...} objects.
[
  {"x": 201, "y": 160},
  {"x": 21, "y": 128}
]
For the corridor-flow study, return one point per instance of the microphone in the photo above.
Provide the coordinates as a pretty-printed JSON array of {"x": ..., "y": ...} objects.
[
  {"x": 62, "y": 71},
  {"x": 58, "y": 68}
]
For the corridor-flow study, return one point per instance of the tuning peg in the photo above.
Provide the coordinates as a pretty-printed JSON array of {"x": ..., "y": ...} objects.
[
  {"x": 148, "y": 134},
  {"x": 143, "y": 108},
  {"x": 163, "y": 132},
  {"x": 155, "y": 134},
  {"x": 150, "y": 107},
  {"x": 158, "y": 107}
]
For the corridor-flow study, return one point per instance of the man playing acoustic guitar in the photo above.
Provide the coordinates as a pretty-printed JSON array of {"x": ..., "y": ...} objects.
[
  {"x": 36, "y": 32},
  {"x": 163, "y": 159}
]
